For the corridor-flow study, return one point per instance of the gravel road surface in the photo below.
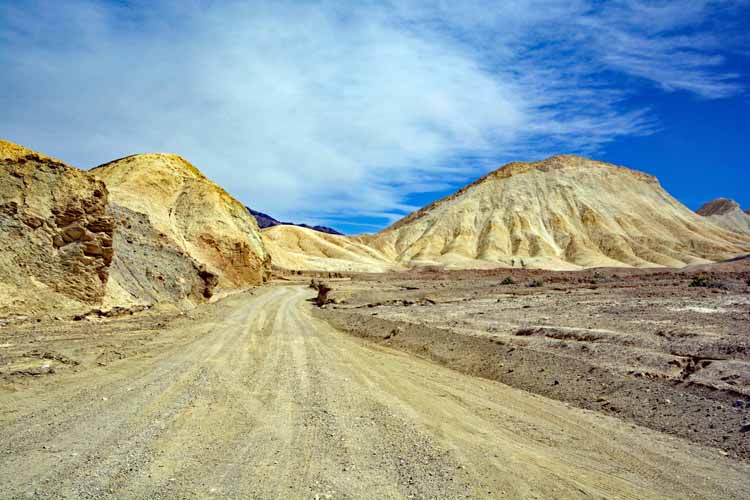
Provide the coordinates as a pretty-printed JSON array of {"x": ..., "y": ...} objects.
[{"x": 265, "y": 401}]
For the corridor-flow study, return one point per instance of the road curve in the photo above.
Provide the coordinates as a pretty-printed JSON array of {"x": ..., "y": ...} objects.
[{"x": 265, "y": 401}]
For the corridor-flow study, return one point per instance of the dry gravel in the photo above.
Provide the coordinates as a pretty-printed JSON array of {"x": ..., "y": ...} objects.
[
  {"x": 253, "y": 397},
  {"x": 640, "y": 345}
]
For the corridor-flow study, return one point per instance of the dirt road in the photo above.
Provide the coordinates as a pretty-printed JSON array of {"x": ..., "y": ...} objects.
[{"x": 265, "y": 401}]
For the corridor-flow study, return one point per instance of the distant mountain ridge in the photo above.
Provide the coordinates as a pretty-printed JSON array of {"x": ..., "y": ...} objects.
[
  {"x": 265, "y": 220},
  {"x": 151, "y": 229}
]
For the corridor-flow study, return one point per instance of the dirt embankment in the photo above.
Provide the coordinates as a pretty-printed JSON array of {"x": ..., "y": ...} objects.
[{"x": 643, "y": 346}]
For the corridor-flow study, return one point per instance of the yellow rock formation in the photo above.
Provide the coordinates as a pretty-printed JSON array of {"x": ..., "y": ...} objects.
[
  {"x": 201, "y": 218},
  {"x": 565, "y": 212},
  {"x": 55, "y": 234},
  {"x": 299, "y": 248}
]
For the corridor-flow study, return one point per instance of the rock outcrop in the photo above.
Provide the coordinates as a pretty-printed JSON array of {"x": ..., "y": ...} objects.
[
  {"x": 727, "y": 214},
  {"x": 193, "y": 217},
  {"x": 56, "y": 238},
  {"x": 565, "y": 212},
  {"x": 149, "y": 268}
]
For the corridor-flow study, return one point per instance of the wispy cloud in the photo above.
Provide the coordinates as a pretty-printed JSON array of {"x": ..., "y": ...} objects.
[
  {"x": 317, "y": 109},
  {"x": 676, "y": 45}
]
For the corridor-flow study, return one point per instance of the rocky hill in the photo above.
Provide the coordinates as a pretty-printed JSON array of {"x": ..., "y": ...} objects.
[
  {"x": 146, "y": 229},
  {"x": 55, "y": 234},
  {"x": 179, "y": 208},
  {"x": 265, "y": 221},
  {"x": 152, "y": 229},
  {"x": 565, "y": 212},
  {"x": 727, "y": 214}
]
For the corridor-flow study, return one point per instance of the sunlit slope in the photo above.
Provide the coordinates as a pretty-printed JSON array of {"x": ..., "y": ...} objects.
[
  {"x": 564, "y": 212},
  {"x": 299, "y": 248},
  {"x": 198, "y": 216}
]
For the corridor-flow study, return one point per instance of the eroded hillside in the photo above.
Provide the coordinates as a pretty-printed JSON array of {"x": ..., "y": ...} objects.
[
  {"x": 144, "y": 230},
  {"x": 565, "y": 212},
  {"x": 169, "y": 204},
  {"x": 299, "y": 248},
  {"x": 55, "y": 234}
]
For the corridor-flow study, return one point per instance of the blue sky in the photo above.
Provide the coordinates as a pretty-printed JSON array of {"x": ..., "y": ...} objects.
[{"x": 353, "y": 113}]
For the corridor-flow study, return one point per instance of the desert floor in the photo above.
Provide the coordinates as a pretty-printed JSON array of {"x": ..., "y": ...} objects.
[{"x": 611, "y": 384}]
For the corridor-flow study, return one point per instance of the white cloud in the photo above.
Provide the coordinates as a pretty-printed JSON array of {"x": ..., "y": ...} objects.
[
  {"x": 668, "y": 43},
  {"x": 317, "y": 109}
]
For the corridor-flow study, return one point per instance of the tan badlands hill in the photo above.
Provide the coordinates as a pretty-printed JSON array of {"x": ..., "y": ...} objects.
[
  {"x": 299, "y": 248},
  {"x": 564, "y": 212},
  {"x": 163, "y": 234},
  {"x": 726, "y": 213},
  {"x": 55, "y": 234},
  {"x": 191, "y": 213}
]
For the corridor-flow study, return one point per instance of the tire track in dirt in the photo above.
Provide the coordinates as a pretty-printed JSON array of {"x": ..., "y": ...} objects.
[{"x": 265, "y": 401}]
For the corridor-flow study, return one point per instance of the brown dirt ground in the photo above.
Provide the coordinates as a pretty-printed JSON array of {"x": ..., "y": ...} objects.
[
  {"x": 641, "y": 345},
  {"x": 545, "y": 391}
]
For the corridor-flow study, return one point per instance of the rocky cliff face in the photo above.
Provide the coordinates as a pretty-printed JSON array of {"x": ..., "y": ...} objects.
[
  {"x": 160, "y": 233},
  {"x": 149, "y": 268},
  {"x": 565, "y": 212},
  {"x": 56, "y": 238},
  {"x": 195, "y": 216}
]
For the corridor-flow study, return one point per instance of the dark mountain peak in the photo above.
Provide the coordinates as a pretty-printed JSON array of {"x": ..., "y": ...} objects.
[
  {"x": 718, "y": 206},
  {"x": 265, "y": 220}
]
